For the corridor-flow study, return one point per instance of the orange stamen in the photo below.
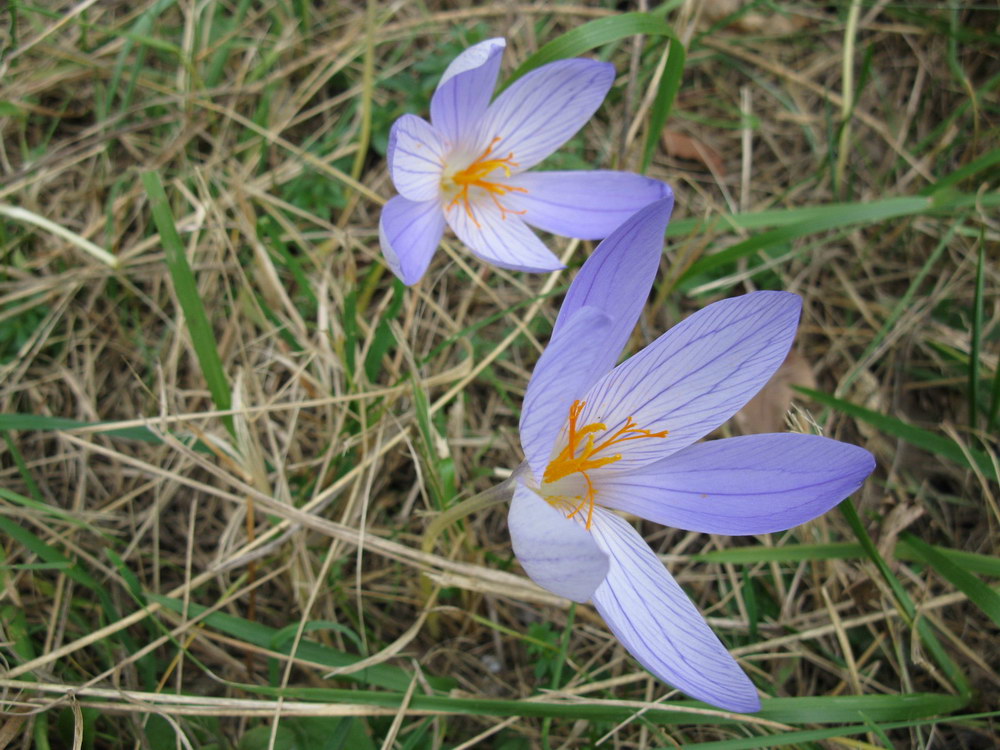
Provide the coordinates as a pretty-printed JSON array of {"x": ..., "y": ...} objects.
[
  {"x": 581, "y": 440},
  {"x": 473, "y": 176}
]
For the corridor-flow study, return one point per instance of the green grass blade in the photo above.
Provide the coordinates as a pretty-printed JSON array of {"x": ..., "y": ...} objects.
[
  {"x": 381, "y": 675},
  {"x": 984, "y": 597},
  {"x": 971, "y": 169},
  {"x": 783, "y": 739},
  {"x": 670, "y": 84},
  {"x": 925, "y": 439},
  {"x": 905, "y": 604},
  {"x": 904, "y": 303},
  {"x": 794, "y": 553},
  {"x": 43, "y": 423},
  {"x": 976, "y": 336},
  {"x": 190, "y": 301},
  {"x": 821, "y": 710},
  {"x": 858, "y": 213},
  {"x": 788, "y": 553}
]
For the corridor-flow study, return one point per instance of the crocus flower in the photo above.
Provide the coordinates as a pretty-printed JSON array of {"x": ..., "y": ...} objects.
[
  {"x": 467, "y": 167},
  {"x": 600, "y": 438}
]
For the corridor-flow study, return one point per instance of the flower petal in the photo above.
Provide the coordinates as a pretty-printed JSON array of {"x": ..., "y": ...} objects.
[
  {"x": 617, "y": 277},
  {"x": 409, "y": 233},
  {"x": 696, "y": 375},
  {"x": 563, "y": 373},
  {"x": 500, "y": 238},
  {"x": 585, "y": 204},
  {"x": 660, "y": 626},
  {"x": 465, "y": 89},
  {"x": 743, "y": 485},
  {"x": 544, "y": 109},
  {"x": 416, "y": 158},
  {"x": 556, "y": 552}
]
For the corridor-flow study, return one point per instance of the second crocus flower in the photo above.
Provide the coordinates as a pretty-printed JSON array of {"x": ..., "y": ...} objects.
[
  {"x": 467, "y": 167},
  {"x": 600, "y": 438}
]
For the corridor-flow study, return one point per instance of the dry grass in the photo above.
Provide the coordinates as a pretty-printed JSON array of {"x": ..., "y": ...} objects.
[{"x": 360, "y": 409}]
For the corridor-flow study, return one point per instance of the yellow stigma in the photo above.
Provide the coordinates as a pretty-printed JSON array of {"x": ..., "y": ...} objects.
[
  {"x": 474, "y": 176},
  {"x": 581, "y": 454}
]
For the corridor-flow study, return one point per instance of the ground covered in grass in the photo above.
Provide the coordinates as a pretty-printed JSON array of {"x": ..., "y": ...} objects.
[{"x": 227, "y": 428}]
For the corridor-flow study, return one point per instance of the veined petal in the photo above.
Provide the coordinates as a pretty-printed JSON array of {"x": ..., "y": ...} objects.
[
  {"x": 544, "y": 109},
  {"x": 556, "y": 552},
  {"x": 500, "y": 237},
  {"x": 696, "y": 375},
  {"x": 585, "y": 204},
  {"x": 742, "y": 485},
  {"x": 465, "y": 89},
  {"x": 566, "y": 369},
  {"x": 409, "y": 233},
  {"x": 617, "y": 277},
  {"x": 659, "y": 625},
  {"x": 416, "y": 158}
]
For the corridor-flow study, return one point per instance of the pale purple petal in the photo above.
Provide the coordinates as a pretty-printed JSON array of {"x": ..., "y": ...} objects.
[
  {"x": 695, "y": 376},
  {"x": 585, "y": 204},
  {"x": 556, "y": 552},
  {"x": 660, "y": 626},
  {"x": 409, "y": 233},
  {"x": 416, "y": 158},
  {"x": 617, "y": 277},
  {"x": 500, "y": 238},
  {"x": 465, "y": 89},
  {"x": 563, "y": 373},
  {"x": 544, "y": 109},
  {"x": 742, "y": 485}
]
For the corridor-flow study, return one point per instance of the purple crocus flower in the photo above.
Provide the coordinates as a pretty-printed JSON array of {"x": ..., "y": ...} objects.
[
  {"x": 600, "y": 438},
  {"x": 467, "y": 167}
]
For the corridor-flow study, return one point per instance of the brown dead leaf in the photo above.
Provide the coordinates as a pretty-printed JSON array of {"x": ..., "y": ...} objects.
[
  {"x": 685, "y": 147},
  {"x": 766, "y": 411}
]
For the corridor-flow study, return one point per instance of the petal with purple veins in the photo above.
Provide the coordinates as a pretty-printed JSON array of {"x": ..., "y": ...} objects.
[
  {"x": 500, "y": 237},
  {"x": 660, "y": 626},
  {"x": 544, "y": 109},
  {"x": 416, "y": 158},
  {"x": 585, "y": 204},
  {"x": 556, "y": 552},
  {"x": 564, "y": 372},
  {"x": 409, "y": 233},
  {"x": 695, "y": 376},
  {"x": 617, "y": 277},
  {"x": 465, "y": 89},
  {"x": 743, "y": 485}
]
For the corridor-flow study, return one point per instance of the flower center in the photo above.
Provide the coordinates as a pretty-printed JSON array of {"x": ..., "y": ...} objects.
[
  {"x": 582, "y": 455},
  {"x": 474, "y": 176}
]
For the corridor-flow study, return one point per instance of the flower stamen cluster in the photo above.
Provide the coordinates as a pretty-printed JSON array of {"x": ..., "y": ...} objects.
[
  {"x": 580, "y": 455},
  {"x": 473, "y": 177}
]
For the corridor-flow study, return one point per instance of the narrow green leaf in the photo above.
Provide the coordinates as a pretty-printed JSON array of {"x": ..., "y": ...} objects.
[
  {"x": 905, "y": 605},
  {"x": 785, "y": 739},
  {"x": 925, "y": 439},
  {"x": 186, "y": 288},
  {"x": 850, "y": 215},
  {"x": 50, "y": 510},
  {"x": 976, "y": 336},
  {"x": 787, "y": 553},
  {"x": 44, "y": 423},
  {"x": 381, "y": 675},
  {"x": 821, "y": 710},
  {"x": 984, "y": 597},
  {"x": 971, "y": 169},
  {"x": 970, "y": 561}
]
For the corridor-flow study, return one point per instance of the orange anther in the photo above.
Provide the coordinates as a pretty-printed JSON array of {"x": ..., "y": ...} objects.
[
  {"x": 474, "y": 176},
  {"x": 580, "y": 454}
]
